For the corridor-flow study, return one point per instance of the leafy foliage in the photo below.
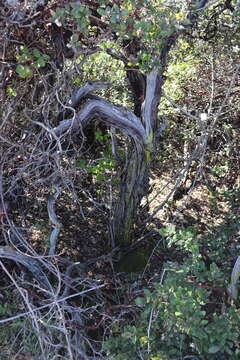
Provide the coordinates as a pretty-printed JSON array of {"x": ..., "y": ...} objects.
[
  {"x": 185, "y": 238},
  {"x": 177, "y": 316},
  {"x": 28, "y": 61}
]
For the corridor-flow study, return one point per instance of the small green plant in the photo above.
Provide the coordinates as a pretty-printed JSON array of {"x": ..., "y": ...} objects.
[
  {"x": 29, "y": 60},
  {"x": 99, "y": 169},
  {"x": 11, "y": 92},
  {"x": 104, "y": 165}
]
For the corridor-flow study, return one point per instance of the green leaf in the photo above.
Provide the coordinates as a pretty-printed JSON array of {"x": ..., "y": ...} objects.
[
  {"x": 74, "y": 38},
  {"x": 46, "y": 57},
  {"x": 36, "y": 53},
  {"x": 81, "y": 164},
  {"x": 101, "y": 177},
  {"x": 213, "y": 349},
  {"x": 23, "y": 71},
  {"x": 177, "y": 313},
  {"x": 40, "y": 62},
  {"x": 99, "y": 135},
  {"x": 24, "y": 49},
  {"x": 148, "y": 295},
  {"x": 101, "y": 11},
  {"x": 94, "y": 169},
  {"x": 11, "y": 92},
  {"x": 139, "y": 301}
]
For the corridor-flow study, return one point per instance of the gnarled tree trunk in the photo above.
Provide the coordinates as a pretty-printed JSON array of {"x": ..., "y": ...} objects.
[
  {"x": 133, "y": 187},
  {"x": 141, "y": 127}
]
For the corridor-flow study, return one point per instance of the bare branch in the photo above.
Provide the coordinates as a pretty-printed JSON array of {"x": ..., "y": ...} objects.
[
  {"x": 181, "y": 109},
  {"x": 112, "y": 115},
  {"x": 150, "y": 104},
  {"x": 55, "y": 302},
  {"x": 53, "y": 218},
  {"x": 29, "y": 262},
  {"x": 85, "y": 90}
]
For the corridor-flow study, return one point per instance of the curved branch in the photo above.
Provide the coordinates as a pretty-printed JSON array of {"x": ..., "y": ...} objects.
[
  {"x": 54, "y": 220},
  {"x": 80, "y": 94},
  {"x": 85, "y": 90},
  {"x": 112, "y": 115},
  {"x": 30, "y": 263}
]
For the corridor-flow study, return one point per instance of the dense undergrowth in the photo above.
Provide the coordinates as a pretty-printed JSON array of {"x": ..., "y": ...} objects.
[
  {"x": 185, "y": 312},
  {"x": 165, "y": 296}
]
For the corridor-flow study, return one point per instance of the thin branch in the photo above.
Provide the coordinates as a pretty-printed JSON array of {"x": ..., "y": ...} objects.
[
  {"x": 54, "y": 220},
  {"x": 181, "y": 109},
  {"x": 51, "y": 304},
  {"x": 30, "y": 263}
]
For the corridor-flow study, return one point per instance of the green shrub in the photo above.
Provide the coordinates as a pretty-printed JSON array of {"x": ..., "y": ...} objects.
[{"x": 188, "y": 313}]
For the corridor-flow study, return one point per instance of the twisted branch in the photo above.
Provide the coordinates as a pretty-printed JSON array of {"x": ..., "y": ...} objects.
[
  {"x": 54, "y": 220},
  {"x": 112, "y": 115},
  {"x": 29, "y": 262}
]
